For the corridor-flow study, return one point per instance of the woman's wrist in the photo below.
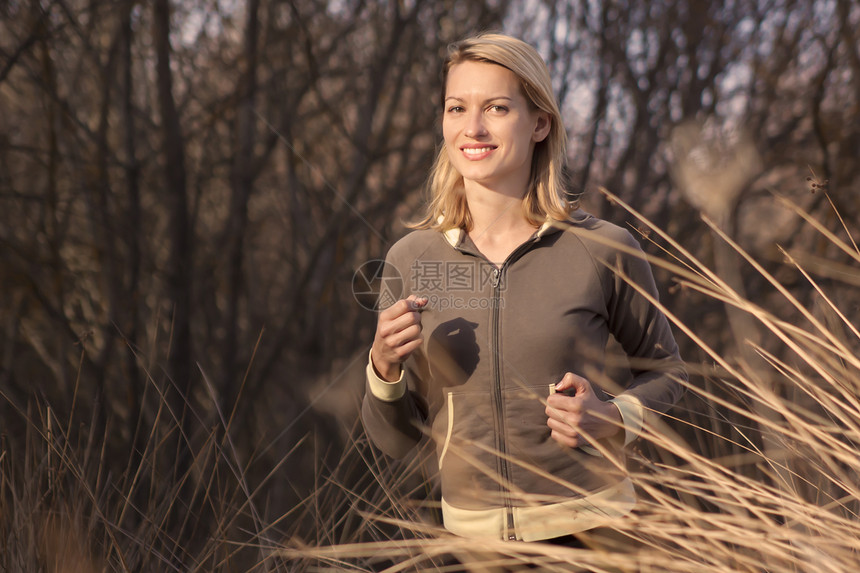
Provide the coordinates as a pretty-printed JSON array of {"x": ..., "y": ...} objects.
[{"x": 387, "y": 371}]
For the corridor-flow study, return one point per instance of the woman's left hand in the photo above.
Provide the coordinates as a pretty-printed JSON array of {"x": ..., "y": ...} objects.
[{"x": 571, "y": 418}]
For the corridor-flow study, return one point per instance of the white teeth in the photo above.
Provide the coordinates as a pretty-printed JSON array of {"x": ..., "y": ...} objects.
[{"x": 476, "y": 150}]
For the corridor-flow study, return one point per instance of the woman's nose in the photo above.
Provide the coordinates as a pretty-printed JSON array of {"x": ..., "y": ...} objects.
[{"x": 475, "y": 125}]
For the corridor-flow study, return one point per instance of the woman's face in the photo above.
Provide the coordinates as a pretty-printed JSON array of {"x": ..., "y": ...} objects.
[{"x": 489, "y": 128}]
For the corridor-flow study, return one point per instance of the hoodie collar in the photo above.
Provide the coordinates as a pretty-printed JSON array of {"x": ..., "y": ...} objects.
[{"x": 455, "y": 237}]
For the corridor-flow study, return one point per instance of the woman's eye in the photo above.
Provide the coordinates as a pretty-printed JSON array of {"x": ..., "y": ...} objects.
[
  {"x": 455, "y": 109},
  {"x": 498, "y": 108}
]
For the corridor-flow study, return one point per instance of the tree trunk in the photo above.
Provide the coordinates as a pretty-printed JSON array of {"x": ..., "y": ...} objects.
[
  {"x": 243, "y": 176},
  {"x": 179, "y": 272}
]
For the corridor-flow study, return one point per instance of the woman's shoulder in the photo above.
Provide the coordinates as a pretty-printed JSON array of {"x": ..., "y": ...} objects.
[
  {"x": 593, "y": 229},
  {"x": 415, "y": 242}
]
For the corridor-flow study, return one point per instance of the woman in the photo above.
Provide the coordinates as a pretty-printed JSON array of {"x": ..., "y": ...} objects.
[{"x": 499, "y": 347}]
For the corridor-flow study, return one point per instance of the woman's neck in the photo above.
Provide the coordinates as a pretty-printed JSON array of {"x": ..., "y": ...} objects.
[
  {"x": 494, "y": 212},
  {"x": 499, "y": 224}
]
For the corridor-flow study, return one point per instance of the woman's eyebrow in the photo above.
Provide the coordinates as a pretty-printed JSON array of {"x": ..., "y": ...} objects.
[{"x": 489, "y": 99}]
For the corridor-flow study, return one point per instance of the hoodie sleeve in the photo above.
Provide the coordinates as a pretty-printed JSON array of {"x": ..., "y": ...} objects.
[
  {"x": 393, "y": 413},
  {"x": 645, "y": 335}
]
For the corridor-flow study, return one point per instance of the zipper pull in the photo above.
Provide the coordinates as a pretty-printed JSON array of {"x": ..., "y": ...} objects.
[{"x": 497, "y": 274}]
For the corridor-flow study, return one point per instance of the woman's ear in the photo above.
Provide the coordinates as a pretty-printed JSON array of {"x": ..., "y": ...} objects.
[{"x": 542, "y": 127}]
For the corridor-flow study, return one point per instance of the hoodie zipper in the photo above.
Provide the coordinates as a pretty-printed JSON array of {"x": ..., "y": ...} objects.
[
  {"x": 496, "y": 389},
  {"x": 498, "y": 402},
  {"x": 501, "y": 443}
]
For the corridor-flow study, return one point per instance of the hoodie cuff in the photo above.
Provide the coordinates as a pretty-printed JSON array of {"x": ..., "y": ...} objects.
[
  {"x": 632, "y": 415},
  {"x": 383, "y": 389}
]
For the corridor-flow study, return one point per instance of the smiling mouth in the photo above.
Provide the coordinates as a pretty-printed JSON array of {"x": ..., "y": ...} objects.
[{"x": 476, "y": 151}]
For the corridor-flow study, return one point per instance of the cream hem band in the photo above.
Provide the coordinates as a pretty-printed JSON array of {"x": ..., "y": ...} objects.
[{"x": 534, "y": 523}]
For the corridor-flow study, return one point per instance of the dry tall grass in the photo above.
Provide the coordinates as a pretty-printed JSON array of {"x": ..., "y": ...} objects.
[{"x": 756, "y": 470}]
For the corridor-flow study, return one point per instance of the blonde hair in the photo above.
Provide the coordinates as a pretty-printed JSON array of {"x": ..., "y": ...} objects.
[{"x": 546, "y": 196}]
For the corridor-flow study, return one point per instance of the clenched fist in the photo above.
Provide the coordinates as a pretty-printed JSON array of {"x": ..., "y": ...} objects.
[
  {"x": 571, "y": 418},
  {"x": 398, "y": 334}
]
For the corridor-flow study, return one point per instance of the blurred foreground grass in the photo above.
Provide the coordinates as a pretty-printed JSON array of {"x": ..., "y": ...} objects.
[{"x": 756, "y": 470}]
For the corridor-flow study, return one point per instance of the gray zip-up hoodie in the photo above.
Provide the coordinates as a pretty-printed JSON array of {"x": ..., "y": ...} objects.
[{"x": 496, "y": 341}]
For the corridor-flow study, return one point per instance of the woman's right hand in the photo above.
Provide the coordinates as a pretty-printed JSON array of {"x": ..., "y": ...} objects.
[{"x": 398, "y": 334}]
